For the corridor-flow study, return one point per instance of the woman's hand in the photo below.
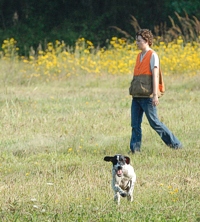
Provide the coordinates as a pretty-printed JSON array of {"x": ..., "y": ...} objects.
[{"x": 155, "y": 100}]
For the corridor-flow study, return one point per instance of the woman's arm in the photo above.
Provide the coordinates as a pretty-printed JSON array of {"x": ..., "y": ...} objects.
[{"x": 155, "y": 74}]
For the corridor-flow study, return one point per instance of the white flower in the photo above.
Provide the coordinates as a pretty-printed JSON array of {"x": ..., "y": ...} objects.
[{"x": 50, "y": 184}]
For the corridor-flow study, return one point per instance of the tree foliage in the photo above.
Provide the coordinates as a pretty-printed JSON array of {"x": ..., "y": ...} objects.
[{"x": 32, "y": 22}]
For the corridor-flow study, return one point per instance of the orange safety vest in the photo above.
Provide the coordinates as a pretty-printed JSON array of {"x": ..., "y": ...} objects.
[
  {"x": 143, "y": 67},
  {"x": 142, "y": 84}
]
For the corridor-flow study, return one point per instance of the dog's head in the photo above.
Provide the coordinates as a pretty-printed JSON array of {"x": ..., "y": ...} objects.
[{"x": 118, "y": 162}]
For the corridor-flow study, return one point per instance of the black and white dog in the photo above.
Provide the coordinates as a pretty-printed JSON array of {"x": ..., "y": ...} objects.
[{"x": 123, "y": 177}]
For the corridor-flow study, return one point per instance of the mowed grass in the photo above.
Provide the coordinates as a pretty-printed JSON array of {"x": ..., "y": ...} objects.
[{"x": 53, "y": 138}]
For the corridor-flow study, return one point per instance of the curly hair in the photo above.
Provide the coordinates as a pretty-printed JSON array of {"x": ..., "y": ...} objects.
[{"x": 146, "y": 34}]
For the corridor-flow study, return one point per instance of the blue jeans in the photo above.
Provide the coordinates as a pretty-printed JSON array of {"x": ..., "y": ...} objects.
[{"x": 144, "y": 105}]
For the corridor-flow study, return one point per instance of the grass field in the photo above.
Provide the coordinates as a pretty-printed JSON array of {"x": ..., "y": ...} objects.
[{"x": 53, "y": 138}]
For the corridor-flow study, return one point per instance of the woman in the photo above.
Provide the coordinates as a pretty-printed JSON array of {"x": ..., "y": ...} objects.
[{"x": 145, "y": 90}]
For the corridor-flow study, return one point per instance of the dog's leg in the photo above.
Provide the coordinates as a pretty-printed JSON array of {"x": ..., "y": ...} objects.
[
  {"x": 117, "y": 198},
  {"x": 130, "y": 192},
  {"x": 118, "y": 191},
  {"x": 116, "y": 186}
]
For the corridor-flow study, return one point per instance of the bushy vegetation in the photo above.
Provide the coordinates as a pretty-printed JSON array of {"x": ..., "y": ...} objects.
[{"x": 59, "y": 61}]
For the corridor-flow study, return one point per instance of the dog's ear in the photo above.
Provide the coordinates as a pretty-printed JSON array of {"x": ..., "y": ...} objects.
[
  {"x": 127, "y": 159},
  {"x": 108, "y": 158}
]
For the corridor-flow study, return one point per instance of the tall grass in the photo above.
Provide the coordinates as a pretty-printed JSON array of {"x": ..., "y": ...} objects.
[
  {"x": 54, "y": 137},
  {"x": 57, "y": 126}
]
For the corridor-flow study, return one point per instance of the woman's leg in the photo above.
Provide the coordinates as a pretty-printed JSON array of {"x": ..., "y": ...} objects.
[
  {"x": 136, "y": 120},
  {"x": 166, "y": 135}
]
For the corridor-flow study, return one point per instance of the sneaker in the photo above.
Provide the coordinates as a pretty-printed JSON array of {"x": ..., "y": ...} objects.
[{"x": 133, "y": 151}]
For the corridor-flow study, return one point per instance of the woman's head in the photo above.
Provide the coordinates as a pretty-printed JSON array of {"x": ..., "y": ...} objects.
[{"x": 146, "y": 35}]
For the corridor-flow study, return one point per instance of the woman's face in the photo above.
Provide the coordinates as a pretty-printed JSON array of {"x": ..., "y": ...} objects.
[{"x": 141, "y": 43}]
